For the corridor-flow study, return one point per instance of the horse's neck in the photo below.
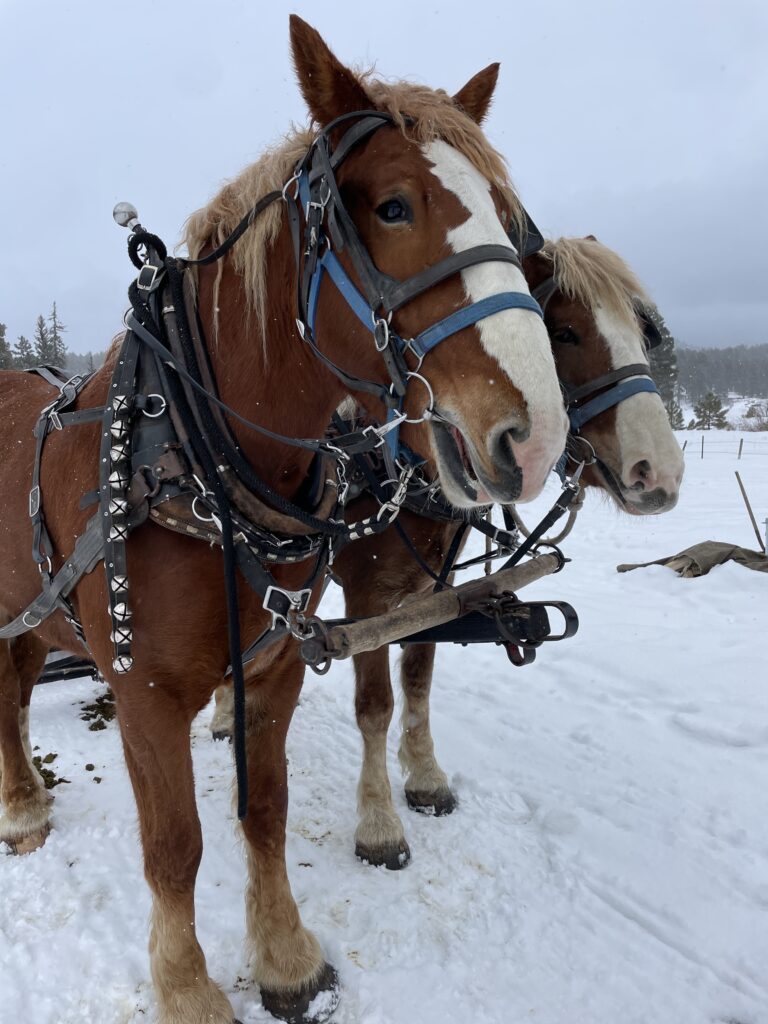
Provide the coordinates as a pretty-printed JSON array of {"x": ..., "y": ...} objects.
[{"x": 275, "y": 382}]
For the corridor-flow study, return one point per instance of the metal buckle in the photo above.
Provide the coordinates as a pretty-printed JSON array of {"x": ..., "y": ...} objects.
[
  {"x": 275, "y": 603},
  {"x": 380, "y": 333},
  {"x": 147, "y": 278},
  {"x": 34, "y": 502}
]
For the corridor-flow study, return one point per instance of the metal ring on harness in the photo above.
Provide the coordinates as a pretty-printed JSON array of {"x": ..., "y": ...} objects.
[
  {"x": 293, "y": 180},
  {"x": 161, "y": 410},
  {"x": 430, "y": 408},
  {"x": 30, "y": 625},
  {"x": 210, "y": 518},
  {"x": 591, "y": 454}
]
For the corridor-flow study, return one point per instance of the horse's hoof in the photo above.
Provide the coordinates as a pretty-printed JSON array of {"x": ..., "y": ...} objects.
[
  {"x": 311, "y": 1005},
  {"x": 221, "y": 735},
  {"x": 439, "y": 803},
  {"x": 392, "y": 856},
  {"x": 28, "y": 843}
]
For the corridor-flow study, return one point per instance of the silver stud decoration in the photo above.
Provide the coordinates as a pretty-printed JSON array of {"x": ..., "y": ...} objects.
[{"x": 117, "y": 529}]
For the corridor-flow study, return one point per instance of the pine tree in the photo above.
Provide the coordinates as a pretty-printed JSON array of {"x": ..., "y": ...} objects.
[
  {"x": 23, "y": 354},
  {"x": 710, "y": 413},
  {"x": 675, "y": 414},
  {"x": 6, "y": 356},
  {"x": 44, "y": 352},
  {"x": 663, "y": 360},
  {"x": 58, "y": 345}
]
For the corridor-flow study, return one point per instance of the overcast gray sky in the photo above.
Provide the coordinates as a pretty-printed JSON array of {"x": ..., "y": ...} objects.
[{"x": 645, "y": 124}]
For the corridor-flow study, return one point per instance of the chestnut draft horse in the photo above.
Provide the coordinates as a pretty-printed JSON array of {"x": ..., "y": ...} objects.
[
  {"x": 595, "y": 311},
  {"x": 403, "y": 177}
]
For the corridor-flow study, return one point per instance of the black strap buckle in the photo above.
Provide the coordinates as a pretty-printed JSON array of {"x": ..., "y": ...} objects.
[{"x": 148, "y": 277}]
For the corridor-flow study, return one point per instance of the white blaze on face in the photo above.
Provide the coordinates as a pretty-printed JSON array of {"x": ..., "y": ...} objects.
[
  {"x": 515, "y": 338},
  {"x": 643, "y": 432}
]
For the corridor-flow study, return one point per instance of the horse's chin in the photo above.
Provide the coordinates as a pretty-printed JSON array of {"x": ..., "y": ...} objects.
[{"x": 650, "y": 503}]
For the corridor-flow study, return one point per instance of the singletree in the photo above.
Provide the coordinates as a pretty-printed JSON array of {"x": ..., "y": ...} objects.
[
  {"x": 6, "y": 356},
  {"x": 709, "y": 413},
  {"x": 24, "y": 354}
]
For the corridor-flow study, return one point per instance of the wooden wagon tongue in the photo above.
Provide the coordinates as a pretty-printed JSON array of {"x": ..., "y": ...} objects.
[{"x": 479, "y": 611}]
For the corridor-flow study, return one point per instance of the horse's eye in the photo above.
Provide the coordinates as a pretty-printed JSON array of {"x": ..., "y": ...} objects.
[
  {"x": 394, "y": 211},
  {"x": 565, "y": 336}
]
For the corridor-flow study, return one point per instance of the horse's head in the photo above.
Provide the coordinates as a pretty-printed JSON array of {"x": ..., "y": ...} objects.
[
  {"x": 596, "y": 312},
  {"x": 419, "y": 187}
]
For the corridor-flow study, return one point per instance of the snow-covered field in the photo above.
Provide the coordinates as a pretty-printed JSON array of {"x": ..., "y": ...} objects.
[{"x": 608, "y": 861}]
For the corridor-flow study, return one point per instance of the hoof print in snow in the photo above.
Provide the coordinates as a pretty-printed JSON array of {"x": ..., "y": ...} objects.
[
  {"x": 392, "y": 857},
  {"x": 437, "y": 804},
  {"x": 312, "y": 1005}
]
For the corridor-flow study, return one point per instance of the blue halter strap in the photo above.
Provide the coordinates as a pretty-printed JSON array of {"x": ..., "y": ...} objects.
[{"x": 608, "y": 399}]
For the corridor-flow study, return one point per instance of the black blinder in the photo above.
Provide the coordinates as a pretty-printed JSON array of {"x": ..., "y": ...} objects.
[
  {"x": 651, "y": 333},
  {"x": 533, "y": 240}
]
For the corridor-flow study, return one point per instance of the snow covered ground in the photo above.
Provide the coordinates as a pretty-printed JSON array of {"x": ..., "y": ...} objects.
[{"x": 608, "y": 860}]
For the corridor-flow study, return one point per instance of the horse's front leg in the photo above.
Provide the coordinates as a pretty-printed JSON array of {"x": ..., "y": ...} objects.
[
  {"x": 288, "y": 963},
  {"x": 155, "y": 729},
  {"x": 24, "y": 823},
  {"x": 426, "y": 785},
  {"x": 379, "y": 838}
]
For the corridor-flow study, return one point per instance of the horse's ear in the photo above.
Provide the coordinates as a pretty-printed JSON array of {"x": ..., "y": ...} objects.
[
  {"x": 589, "y": 238},
  {"x": 475, "y": 98},
  {"x": 328, "y": 87}
]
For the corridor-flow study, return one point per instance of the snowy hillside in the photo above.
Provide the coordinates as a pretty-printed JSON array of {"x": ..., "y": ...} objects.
[{"x": 608, "y": 861}]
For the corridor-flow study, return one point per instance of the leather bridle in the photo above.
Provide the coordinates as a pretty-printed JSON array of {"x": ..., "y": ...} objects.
[{"x": 586, "y": 401}]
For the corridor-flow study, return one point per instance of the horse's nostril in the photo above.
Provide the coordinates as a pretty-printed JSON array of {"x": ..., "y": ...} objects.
[
  {"x": 503, "y": 449},
  {"x": 519, "y": 434},
  {"x": 639, "y": 475}
]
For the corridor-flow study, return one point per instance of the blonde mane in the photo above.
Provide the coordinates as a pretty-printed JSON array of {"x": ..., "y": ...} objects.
[
  {"x": 589, "y": 272},
  {"x": 432, "y": 114}
]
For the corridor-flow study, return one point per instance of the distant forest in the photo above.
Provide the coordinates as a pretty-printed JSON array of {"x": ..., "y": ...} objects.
[{"x": 741, "y": 369}]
